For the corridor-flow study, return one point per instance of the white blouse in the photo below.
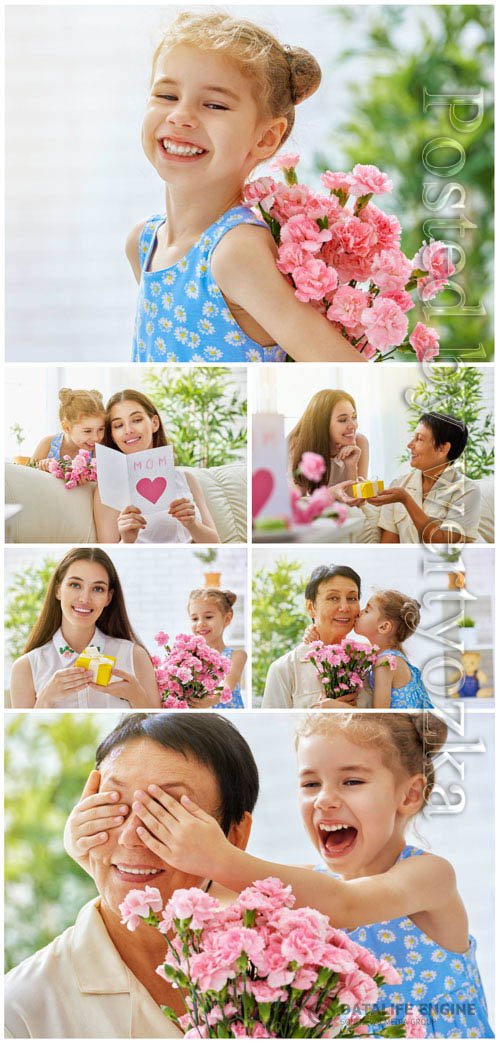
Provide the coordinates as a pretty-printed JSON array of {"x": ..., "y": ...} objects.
[{"x": 56, "y": 654}]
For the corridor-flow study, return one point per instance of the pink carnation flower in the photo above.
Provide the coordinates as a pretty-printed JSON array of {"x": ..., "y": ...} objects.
[
  {"x": 425, "y": 341},
  {"x": 347, "y": 306},
  {"x": 314, "y": 280},
  {"x": 191, "y": 903},
  {"x": 312, "y": 466},
  {"x": 415, "y": 1025},
  {"x": 306, "y": 232},
  {"x": 391, "y": 270},
  {"x": 337, "y": 180},
  {"x": 208, "y": 973},
  {"x": 289, "y": 201},
  {"x": 402, "y": 298},
  {"x": 386, "y": 226},
  {"x": 367, "y": 179},
  {"x": 161, "y": 638},
  {"x": 290, "y": 256},
  {"x": 358, "y": 989},
  {"x": 385, "y": 324},
  {"x": 262, "y": 191},
  {"x": 286, "y": 161},
  {"x": 137, "y": 904},
  {"x": 434, "y": 258}
]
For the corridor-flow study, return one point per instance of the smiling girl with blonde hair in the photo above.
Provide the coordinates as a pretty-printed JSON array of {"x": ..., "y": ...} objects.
[{"x": 222, "y": 101}]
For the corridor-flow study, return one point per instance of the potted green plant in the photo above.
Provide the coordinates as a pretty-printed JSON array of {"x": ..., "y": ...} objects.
[
  {"x": 469, "y": 636},
  {"x": 208, "y": 557},
  {"x": 17, "y": 431},
  {"x": 459, "y": 392},
  {"x": 205, "y": 413}
]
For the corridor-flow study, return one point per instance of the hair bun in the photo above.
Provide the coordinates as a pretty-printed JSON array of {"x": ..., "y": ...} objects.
[
  {"x": 305, "y": 73},
  {"x": 65, "y": 394},
  {"x": 230, "y": 596},
  {"x": 410, "y": 613}
]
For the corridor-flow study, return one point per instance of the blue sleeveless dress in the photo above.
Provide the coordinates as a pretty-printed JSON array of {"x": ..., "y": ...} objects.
[
  {"x": 237, "y": 700},
  {"x": 413, "y": 695},
  {"x": 181, "y": 314},
  {"x": 55, "y": 446},
  {"x": 444, "y": 986}
]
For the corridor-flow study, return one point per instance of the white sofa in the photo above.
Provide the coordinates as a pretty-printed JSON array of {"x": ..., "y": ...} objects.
[
  {"x": 486, "y": 534},
  {"x": 52, "y": 514}
]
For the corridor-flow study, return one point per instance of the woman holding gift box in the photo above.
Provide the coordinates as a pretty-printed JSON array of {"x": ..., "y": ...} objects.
[
  {"x": 329, "y": 428},
  {"x": 133, "y": 424},
  {"x": 84, "y": 618}
]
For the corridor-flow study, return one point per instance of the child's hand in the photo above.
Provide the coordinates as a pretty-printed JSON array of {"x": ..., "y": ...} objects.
[
  {"x": 130, "y": 522},
  {"x": 183, "y": 510},
  {"x": 180, "y": 833},
  {"x": 327, "y": 703},
  {"x": 311, "y": 634},
  {"x": 88, "y": 824},
  {"x": 43, "y": 465}
]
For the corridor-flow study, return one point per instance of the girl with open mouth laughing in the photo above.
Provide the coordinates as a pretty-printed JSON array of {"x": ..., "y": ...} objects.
[{"x": 362, "y": 778}]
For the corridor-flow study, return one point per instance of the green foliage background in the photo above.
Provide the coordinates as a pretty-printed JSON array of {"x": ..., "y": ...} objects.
[
  {"x": 47, "y": 760},
  {"x": 204, "y": 412},
  {"x": 279, "y": 618},
  {"x": 458, "y": 391},
  {"x": 24, "y": 601},
  {"x": 447, "y": 50}
]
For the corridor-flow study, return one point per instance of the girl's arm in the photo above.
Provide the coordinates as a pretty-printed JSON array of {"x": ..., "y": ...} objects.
[
  {"x": 89, "y": 823},
  {"x": 203, "y": 532},
  {"x": 238, "y": 661},
  {"x": 42, "y": 450},
  {"x": 382, "y": 686},
  {"x": 186, "y": 837},
  {"x": 132, "y": 249},
  {"x": 244, "y": 267}
]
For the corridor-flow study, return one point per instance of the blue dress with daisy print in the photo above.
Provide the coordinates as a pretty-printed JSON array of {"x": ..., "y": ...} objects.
[
  {"x": 237, "y": 697},
  {"x": 413, "y": 695},
  {"x": 181, "y": 313},
  {"x": 445, "y": 987}
]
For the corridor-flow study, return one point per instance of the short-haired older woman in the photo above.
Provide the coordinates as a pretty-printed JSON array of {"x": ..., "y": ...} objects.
[
  {"x": 434, "y": 503},
  {"x": 332, "y": 601},
  {"x": 98, "y": 979}
]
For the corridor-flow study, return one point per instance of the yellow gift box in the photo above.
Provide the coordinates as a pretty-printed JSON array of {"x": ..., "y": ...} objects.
[
  {"x": 100, "y": 665},
  {"x": 370, "y": 488}
]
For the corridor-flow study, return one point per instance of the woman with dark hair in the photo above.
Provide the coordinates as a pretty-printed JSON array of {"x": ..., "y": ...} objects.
[
  {"x": 98, "y": 979},
  {"x": 435, "y": 502},
  {"x": 83, "y": 606},
  {"x": 332, "y": 602},
  {"x": 329, "y": 427},
  {"x": 133, "y": 424}
]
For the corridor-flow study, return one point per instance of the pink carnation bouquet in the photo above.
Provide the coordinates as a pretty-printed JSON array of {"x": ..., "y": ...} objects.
[
  {"x": 342, "y": 254},
  {"x": 75, "y": 471},
  {"x": 190, "y": 671},
  {"x": 342, "y": 667},
  {"x": 321, "y": 501},
  {"x": 259, "y": 968}
]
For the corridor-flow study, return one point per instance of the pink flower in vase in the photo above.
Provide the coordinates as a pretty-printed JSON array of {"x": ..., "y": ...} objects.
[{"x": 312, "y": 466}]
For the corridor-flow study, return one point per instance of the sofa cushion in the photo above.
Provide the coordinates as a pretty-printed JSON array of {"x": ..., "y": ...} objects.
[
  {"x": 225, "y": 492},
  {"x": 52, "y": 514}
]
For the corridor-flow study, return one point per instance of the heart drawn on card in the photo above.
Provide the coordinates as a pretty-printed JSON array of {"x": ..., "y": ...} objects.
[
  {"x": 151, "y": 489},
  {"x": 262, "y": 487}
]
